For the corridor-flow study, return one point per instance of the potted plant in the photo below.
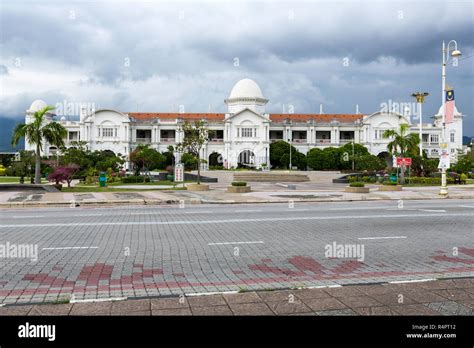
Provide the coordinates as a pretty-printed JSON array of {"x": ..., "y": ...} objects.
[
  {"x": 238, "y": 187},
  {"x": 357, "y": 187},
  {"x": 388, "y": 185}
]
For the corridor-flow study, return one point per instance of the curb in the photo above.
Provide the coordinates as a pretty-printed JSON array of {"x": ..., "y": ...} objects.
[
  {"x": 28, "y": 204},
  {"x": 187, "y": 295}
]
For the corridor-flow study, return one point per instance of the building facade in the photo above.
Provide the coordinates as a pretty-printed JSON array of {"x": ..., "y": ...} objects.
[{"x": 242, "y": 135}]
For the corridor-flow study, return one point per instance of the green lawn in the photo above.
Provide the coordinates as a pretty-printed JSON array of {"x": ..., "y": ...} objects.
[
  {"x": 161, "y": 182},
  {"x": 16, "y": 179},
  {"x": 109, "y": 189}
]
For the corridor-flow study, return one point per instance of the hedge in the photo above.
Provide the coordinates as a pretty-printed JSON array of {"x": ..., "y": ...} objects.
[
  {"x": 239, "y": 183},
  {"x": 135, "y": 179},
  {"x": 357, "y": 184}
]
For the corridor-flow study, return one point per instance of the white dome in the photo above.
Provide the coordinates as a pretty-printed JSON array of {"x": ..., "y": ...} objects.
[
  {"x": 37, "y": 105},
  {"x": 246, "y": 88}
]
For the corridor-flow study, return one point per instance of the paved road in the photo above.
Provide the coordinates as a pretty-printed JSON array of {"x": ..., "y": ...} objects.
[{"x": 163, "y": 250}]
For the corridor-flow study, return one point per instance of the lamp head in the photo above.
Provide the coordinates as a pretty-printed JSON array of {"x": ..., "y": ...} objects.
[{"x": 456, "y": 53}]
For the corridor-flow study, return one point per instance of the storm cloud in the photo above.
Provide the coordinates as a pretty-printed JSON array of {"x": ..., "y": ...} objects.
[{"x": 155, "y": 56}]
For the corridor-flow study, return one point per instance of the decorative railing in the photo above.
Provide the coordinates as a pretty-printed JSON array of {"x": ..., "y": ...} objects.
[{"x": 144, "y": 140}]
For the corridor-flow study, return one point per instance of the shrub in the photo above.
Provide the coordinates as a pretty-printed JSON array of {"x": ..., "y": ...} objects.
[
  {"x": 389, "y": 183},
  {"x": 427, "y": 181},
  {"x": 189, "y": 160},
  {"x": 135, "y": 179},
  {"x": 357, "y": 184},
  {"x": 239, "y": 183},
  {"x": 2, "y": 170}
]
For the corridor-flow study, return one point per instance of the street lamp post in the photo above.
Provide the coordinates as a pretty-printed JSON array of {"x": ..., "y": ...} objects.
[
  {"x": 289, "y": 142},
  {"x": 353, "y": 154},
  {"x": 420, "y": 99},
  {"x": 444, "y": 146}
]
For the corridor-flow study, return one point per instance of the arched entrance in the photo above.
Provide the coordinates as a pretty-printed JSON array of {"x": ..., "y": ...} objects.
[
  {"x": 216, "y": 160},
  {"x": 246, "y": 159},
  {"x": 108, "y": 153}
]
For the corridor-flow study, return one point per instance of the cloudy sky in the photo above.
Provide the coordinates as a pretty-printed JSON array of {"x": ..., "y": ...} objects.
[{"x": 155, "y": 56}]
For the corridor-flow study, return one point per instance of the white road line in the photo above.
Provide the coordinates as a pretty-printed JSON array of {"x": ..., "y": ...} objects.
[
  {"x": 206, "y": 222},
  {"x": 412, "y": 281},
  {"x": 210, "y": 293},
  {"x": 247, "y": 211},
  {"x": 51, "y": 216},
  {"x": 433, "y": 210},
  {"x": 99, "y": 300},
  {"x": 467, "y": 206},
  {"x": 27, "y": 216},
  {"x": 231, "y": 243},
  {"x": 394, "y": 237},
  {"x": 69, "y": 248}
]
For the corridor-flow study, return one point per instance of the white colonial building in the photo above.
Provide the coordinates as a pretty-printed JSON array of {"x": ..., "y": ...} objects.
[{"x": 243, "y": 135}]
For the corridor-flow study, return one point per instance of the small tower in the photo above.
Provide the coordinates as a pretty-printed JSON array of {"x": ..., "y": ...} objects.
[{"x": 246, "y": 94}]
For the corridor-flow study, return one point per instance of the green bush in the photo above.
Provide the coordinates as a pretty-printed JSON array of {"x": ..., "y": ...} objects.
[
  {"x": 427, "y": 181},
  {"x": 135, "y": 179},
  {"x": 239, "y": 183},
  {"x": 357, "y": 184},
  {"x": 389, "y": 183}
]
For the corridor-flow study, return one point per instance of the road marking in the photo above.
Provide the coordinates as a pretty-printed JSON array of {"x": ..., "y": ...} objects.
[
  {"x": 52, "y": 216},
  {"x": 69, "y": 248},
  {"x": 99, "y": 300},
  {"x": 210, "y": 293},
  {"x": 206, "y": 222},
  {"x": 230, "y": 243},
  {"x": 412, "y": 281},
  {"x": 27, "y": 216},
  {"x": 394, "y": 237},
  {"x": 324, "y": 286},
  {"x": 467, "y": 206},
  {"x": 433, "y": 210},
  {"x": 247, "y": 211}
]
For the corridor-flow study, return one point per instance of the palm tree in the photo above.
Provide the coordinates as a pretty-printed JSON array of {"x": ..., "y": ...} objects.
[
  {"x": 36, "y": 131},
  {"x": 404, "y": 144}
]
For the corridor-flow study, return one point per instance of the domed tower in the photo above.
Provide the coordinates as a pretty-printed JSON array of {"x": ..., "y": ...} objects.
[
  {"x": 37, "y": 105},
  {"x": 246, "y": 94}
]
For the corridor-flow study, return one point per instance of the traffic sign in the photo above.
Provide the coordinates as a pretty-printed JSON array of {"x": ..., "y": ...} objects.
[
  {"x": 179, "y": 172},
  {"x": 404, "y": 161}
]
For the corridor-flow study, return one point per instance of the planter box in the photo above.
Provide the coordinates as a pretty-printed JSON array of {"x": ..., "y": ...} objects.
[
  {"x": 238, "y": 189},
  {"x": 357, "y": 189},
  {"x": 390, "y": 188},
  {"x": 197, "y": 187}
]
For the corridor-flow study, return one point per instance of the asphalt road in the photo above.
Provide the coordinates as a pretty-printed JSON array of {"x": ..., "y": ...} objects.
[{"x": 163, "y": 250}]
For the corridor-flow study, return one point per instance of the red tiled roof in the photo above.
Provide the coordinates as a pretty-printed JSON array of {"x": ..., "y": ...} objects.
[
  {"x": 175, "y": 115},
  {"x": 326, "y": 118},
  {"x": 343, "y": 118}
]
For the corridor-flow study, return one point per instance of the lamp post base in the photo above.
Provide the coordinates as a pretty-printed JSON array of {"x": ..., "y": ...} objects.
[{"x": 443, "y": 191}]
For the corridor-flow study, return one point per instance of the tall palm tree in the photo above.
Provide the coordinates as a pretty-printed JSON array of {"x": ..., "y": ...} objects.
[
  {"x": 34, "y": 133},
  {"x": 404, "y": 144}
]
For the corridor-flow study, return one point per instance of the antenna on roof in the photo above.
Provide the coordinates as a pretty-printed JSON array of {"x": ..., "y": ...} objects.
[
  {"x": 320, "y": 109},
  {"x": 357, "y": 108},
  {"x": 209, "y": 108}
]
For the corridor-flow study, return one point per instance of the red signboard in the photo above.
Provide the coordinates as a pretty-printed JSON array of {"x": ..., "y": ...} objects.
[{"x": 404, "y": 161}]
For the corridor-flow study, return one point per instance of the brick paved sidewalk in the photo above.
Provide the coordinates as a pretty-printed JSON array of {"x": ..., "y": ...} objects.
[{"x": 440, "y": 297}]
